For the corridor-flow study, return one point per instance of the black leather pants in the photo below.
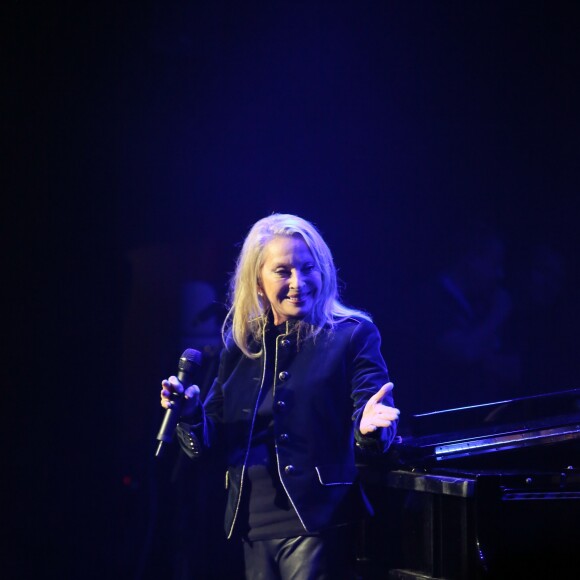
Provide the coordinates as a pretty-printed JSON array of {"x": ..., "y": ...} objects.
[{"x": 328, "y": 556}]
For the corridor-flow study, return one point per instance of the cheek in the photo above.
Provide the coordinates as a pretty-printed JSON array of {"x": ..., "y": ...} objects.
[{"x": 273, "y": 288}]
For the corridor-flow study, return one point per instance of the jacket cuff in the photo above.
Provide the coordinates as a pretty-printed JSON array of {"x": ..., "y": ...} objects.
[
  {"x": 371, "y": 443},
  {"x": 188, "y": 440}
]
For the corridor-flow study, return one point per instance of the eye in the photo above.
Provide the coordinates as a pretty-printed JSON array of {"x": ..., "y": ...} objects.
[
  {"x": 282, "y": 272},
  {"x": 309, "y": 268}
]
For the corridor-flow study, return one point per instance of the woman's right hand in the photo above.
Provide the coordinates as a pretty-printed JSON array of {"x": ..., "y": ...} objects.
[{"x": 173, "y": 394}]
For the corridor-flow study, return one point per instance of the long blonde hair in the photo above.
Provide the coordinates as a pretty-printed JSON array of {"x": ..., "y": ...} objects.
[{"x": 248, "y": 311}]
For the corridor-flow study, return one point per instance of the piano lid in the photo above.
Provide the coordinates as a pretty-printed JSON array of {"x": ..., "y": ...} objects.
[{"x": 501, "y": 425}]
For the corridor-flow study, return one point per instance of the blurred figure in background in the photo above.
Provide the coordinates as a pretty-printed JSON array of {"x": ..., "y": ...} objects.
[
  {"x": 457, "y": 327},
  {"x": 544, "y": 323}
]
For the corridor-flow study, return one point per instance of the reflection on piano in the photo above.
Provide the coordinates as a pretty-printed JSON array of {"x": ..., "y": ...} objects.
[
  {"x": 451, "y": 434},
  {"x": 487, "y": 491}
]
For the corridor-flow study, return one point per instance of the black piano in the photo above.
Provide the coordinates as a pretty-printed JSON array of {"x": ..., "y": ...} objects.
[{"x": 480, "y": 492}]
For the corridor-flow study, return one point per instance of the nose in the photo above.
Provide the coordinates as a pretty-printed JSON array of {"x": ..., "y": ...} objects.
[{"x": 297, "y": 280}]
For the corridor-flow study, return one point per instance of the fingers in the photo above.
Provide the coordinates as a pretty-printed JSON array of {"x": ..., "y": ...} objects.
[
  {"x": 366, "y": 429},
  {"x": 172, "y": 390},
  {"x": 172, "y": 385},
  {"x": 377, "y": 415},
  {"x": 380, "y": 422},
  {"x": 372, "y": 424},
  {"x": 390, "y": 413},
  {"x": 381, "y": 393},
  {"x": 191, "y": 392},
  {"x": 381, "y": 416}
]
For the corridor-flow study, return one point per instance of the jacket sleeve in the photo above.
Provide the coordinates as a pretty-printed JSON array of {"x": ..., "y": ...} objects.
[{"x": 368, "y": 373}]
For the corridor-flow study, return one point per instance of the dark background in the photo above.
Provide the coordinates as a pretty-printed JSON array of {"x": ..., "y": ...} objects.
[{"x": 142, "y": 140}]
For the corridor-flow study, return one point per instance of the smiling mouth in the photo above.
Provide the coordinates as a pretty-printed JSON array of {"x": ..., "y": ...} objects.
[{"x": 296, "y": 299}]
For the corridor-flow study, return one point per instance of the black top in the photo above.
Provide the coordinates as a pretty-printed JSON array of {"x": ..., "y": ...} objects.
[{"x": 267, "y": 510}]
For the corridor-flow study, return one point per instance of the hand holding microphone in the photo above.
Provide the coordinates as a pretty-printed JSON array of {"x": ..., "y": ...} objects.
[{"x": 179, "y": 396}]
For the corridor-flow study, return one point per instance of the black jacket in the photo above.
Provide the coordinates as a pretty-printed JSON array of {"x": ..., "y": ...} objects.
[{"x": 321, "y": 387}]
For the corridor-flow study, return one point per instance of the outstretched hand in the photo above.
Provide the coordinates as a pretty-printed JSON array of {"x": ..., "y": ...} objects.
[{"x": 376, "y": 414}]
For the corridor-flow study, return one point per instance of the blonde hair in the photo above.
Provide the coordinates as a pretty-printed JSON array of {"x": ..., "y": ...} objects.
[{"x": 248, "y": 311}]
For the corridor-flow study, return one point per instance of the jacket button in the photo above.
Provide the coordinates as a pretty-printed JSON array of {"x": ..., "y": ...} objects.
[
  {"x": 280, "y": 404},
  {"x": 284, "y": 437},
  {"x": 285, "y": 342},
  {"x": 289, "y": 469},
  {"x": 284, "y": 376}
]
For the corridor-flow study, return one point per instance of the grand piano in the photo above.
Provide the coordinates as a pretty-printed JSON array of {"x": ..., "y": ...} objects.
[{"x": 490, "y": 491}]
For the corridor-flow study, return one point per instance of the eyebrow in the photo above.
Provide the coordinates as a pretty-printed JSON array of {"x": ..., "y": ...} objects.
[{"x": 289, "y": 265}]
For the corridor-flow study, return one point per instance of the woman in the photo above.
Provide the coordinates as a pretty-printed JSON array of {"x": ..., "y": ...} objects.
[{"x": 301, "y": 386}]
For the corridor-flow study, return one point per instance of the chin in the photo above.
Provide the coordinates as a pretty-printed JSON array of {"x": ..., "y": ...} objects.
[{"x": 303, "y": 313}]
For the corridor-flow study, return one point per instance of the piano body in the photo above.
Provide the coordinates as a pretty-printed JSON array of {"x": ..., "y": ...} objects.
[{"x": 488, "y": 491}]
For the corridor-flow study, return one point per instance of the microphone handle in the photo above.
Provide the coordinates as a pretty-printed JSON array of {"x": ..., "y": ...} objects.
[{"x": 171, "y": 417}]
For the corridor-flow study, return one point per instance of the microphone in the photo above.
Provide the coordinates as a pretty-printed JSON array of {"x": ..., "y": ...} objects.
[{"x": 189, "y": 364}]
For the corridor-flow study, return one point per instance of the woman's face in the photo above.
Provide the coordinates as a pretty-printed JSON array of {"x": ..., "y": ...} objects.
[{"x": 289, "y": 278}]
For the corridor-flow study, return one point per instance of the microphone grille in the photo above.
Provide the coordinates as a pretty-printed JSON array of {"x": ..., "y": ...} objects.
[{"x": 189, "y": 358}]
